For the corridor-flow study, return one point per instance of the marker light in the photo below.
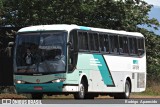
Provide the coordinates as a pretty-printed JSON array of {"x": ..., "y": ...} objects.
[
  {"x": 20, "y": 82},
  {"x": 59, "y": 80}
]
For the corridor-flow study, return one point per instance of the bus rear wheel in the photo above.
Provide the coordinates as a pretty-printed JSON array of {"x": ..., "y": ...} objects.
[
  {"x": 126, "y": 93},
  {"x": 37, "y": 96},
  {"x": 82, "y": 91}
]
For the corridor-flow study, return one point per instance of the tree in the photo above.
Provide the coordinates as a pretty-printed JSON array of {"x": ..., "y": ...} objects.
[
  {"x": 111, "y": 14},
  {"x": 1, "y": 10}
]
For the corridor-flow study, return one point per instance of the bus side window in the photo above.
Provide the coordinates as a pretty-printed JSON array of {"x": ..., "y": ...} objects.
[
  {"x": 135, "y": 45},
  {"x": 96, "y": 42},
  {"x": 131, "y": 48},
  {"x": 86, "y": 45},
  {"x": 116, "y": 48},
  {"x": 72, "y": 51},
  {"x": 80, "y": 40},
  {"x": 114, "y": 44},
  {"x": 106, "y": 43},
  {"x": 111, "y": 43},
  {"x": 125, "y": 45},
  {"x": 101, "y": 41},
  {"x": 91, "y": 41},
  {"x": 140, "y": 46},
  {"x": 121, "y": 47}
]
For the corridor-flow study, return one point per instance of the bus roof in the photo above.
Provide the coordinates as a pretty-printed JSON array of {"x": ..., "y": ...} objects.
[{"x": 72, "y": 26}]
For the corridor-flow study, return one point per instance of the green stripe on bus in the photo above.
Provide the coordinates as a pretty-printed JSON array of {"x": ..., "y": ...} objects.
[{"x": 104, "y": 70}]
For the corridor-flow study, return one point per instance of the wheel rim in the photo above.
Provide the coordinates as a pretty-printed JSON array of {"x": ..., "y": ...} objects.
[{"x": 81, "y": 91}]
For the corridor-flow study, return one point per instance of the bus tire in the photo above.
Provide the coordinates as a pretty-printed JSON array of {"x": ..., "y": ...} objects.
[
  {"x": 126, "y": 93},
  {"x": 37, "y": 96},
  {"x": 82, "y": 91}
]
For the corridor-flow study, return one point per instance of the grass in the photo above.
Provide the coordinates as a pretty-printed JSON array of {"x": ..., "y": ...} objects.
[{"x": 153, "y": 89}]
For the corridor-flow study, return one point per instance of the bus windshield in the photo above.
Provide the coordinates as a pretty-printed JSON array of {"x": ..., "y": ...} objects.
[{"x": 43, "y": 52}]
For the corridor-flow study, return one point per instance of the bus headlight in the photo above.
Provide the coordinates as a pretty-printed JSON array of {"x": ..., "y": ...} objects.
[
  {"x": 19, "y": 82},
  {"x": 59, "y": 80}
]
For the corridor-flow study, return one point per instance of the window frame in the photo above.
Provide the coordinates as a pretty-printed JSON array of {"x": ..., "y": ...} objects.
[
  {"x": 124, "y": 43},
  {"x": 87, "y": 41}
]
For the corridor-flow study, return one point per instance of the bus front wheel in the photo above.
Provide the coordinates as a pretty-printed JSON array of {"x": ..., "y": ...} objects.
[{"x": 82, "y": 91}]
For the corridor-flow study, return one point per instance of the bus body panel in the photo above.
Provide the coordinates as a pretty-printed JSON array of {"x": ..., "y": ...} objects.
[
  {"x": 105, "y": 72},
  {"x": 119, "y": 69}
]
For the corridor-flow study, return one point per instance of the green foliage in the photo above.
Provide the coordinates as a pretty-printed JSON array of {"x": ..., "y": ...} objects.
[
  {"x": 1, "y": 8},
  {"x": 153, "y": 54},
  {"x": 111, "y": 14}
]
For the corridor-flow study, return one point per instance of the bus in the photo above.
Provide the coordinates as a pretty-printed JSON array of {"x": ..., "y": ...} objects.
[{"x": 83, "y": 61}]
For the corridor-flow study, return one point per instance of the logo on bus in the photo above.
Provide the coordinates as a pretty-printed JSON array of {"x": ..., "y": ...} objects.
[
  {"x": 38, "y": 81},
  {"x": 135, "y": 65}
]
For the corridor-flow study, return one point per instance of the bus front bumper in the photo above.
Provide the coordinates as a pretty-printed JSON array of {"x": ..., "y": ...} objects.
[
  {"x": 49, "y": 87},
  {"x": 45, "y": 88}
]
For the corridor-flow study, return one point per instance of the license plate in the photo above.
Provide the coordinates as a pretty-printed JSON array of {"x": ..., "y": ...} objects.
[{"x": 38, "y": 88}]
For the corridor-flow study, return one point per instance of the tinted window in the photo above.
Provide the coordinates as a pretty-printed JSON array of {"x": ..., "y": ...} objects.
[
  {"x": 91, "y": 41},
  {"x": 83, "y": 40},
  {"x": 121, "y": 46},
  {"x": 140, "y": 46},
  {"x": 133, "y": 46},
  {"x": 101, "y": 41},
  {"x": 131, "y": 50},
  {"x": 125, "y": 44},
  {"x": 94, "y": 41},
  {"x": 114, "y": 44}
]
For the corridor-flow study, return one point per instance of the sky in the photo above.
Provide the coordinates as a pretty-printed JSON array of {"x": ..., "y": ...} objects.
[
  {"x": 154, "y": 13},
  {"x": 153, "y": 2}
]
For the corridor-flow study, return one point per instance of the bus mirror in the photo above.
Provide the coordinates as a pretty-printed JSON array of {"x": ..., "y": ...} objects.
[{"x": 69, "y": 44}]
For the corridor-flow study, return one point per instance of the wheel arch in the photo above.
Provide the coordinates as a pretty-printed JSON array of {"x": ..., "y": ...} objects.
[{"x": 85, "y": 78}]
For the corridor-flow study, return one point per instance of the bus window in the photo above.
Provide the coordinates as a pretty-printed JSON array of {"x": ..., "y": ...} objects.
[
  {"x": 106, "y": 43},
  {"x": 80, "y": 40},
  {"x": 114, "y": 44},
  {"x": 125, "y": 45},
  {"x": 116, "y": 48},
  {"x": 131, "y": 49},
  {"x": 140, "y": 46},
  {"x": 83, "y": 41},
  {"x": 96, "y": 41},
  {"x": 121, "y": 48},
  {"x": 101, "y": 41},
  {"x": 135, "y": 45},
  {"x": 111, "y": 40},
  {"x": 91, "y": 41},
  {"x": 132, "y": 46}
]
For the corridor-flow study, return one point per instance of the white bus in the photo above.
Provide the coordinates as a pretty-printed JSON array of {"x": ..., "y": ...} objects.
[{"x": 79, "y": 60}]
